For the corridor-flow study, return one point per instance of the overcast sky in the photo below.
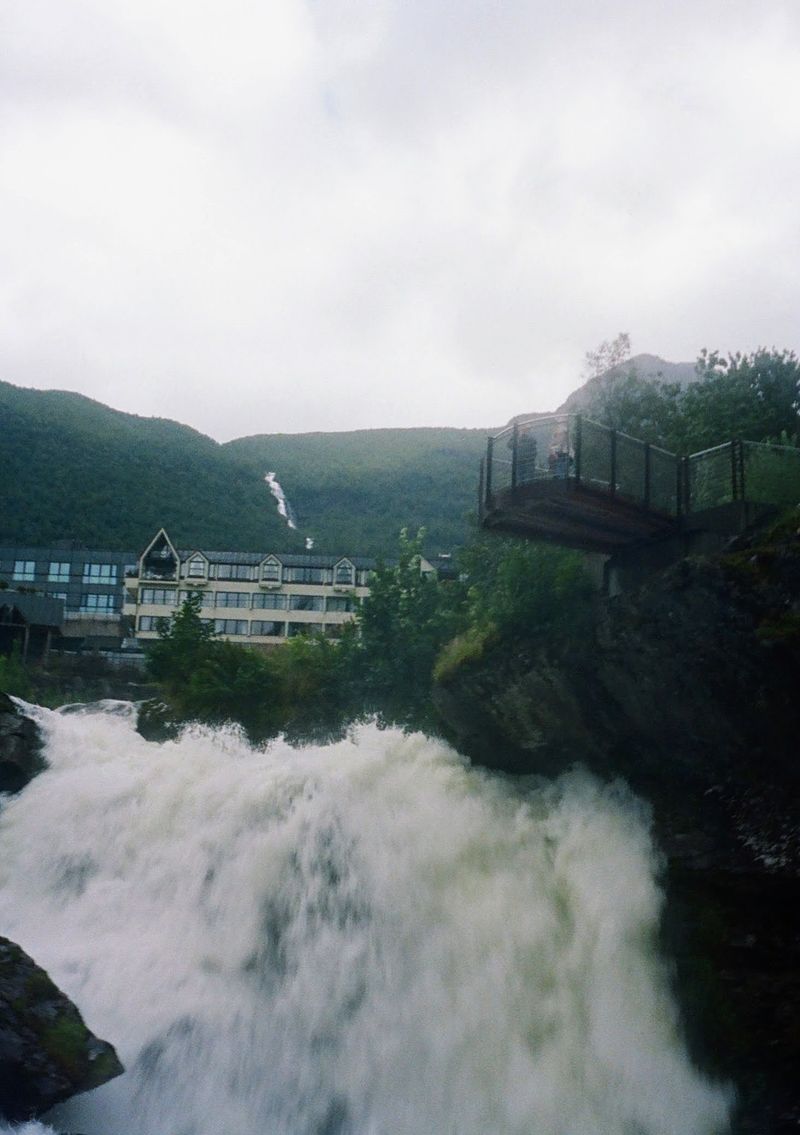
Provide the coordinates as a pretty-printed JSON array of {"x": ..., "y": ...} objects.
[{"x": 269, "y": 216}]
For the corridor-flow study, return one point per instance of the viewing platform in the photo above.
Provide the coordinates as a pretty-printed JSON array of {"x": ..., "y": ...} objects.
[{"x": 569, "y": 480}]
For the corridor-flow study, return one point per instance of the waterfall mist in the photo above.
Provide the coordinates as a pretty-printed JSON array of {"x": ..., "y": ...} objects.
[{"x": 370, "y": 938}]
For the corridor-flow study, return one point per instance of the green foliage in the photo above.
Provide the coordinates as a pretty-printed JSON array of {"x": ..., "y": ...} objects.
[
  {"x": 184, "y": 644},
  {"x": 754, "y": 396},
  {"x": 524, "y": 590},
  {"x": 466, "y": 649},
  {"x": 404, "y": 623},
  {"x": 207, "y": 679},
  {"x": 14, "y": 677}
]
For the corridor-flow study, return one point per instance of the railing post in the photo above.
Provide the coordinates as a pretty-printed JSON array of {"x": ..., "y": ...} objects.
[
  {"x": 681, "y": 503},
  {"x": 578, "y": 447},
  {"x": 646, "y": 501},
  {"x": 488, "y": 481},
  {"x": 612, "y": 488},
  {"x": 481, "y": 490},
  {"x": 514, "y": 449},
  {"x": 737, "y": 470}
]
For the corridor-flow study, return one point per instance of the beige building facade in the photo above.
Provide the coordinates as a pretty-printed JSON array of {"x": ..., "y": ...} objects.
[{"x": 258, "y": 599}]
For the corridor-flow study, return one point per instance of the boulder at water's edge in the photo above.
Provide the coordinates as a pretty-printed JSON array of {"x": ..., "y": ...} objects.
[
  {"x": 20, "y": 747},
  {"x": 47, "y": 1054}
]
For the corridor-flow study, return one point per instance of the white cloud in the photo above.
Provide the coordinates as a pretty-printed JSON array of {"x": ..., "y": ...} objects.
[{"x": 315, "y": 215}]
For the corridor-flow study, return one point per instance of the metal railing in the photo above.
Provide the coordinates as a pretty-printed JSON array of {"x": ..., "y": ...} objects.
[{"x": 577, "y": 451}]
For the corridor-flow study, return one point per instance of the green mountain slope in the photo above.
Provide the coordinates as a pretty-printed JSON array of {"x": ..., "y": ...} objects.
[
  {"x": 358, "y": 489},
  {"x": 72, "y": 468}
]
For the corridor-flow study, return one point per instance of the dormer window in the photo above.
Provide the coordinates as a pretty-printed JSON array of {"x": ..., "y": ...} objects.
[
  {"x": 271, "y": 571},
  {"x": 343, "y": 576},
  {"x": 196, "y": 568}
]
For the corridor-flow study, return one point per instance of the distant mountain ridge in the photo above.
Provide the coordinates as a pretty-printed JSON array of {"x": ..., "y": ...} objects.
[{"x": 648, "y": 367}]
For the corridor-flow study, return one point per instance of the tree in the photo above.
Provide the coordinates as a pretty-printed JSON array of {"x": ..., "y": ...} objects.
[
  {"x": 184, "y": 643},
  {"x": 608, "y": 355},
  {"x": 755, "y": 396},
  {"x": 403, "y": 623}
]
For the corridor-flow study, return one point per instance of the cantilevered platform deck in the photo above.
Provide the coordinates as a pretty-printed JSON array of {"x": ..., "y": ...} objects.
[
  {"x": 567, "y": 513},
  {"x": 574, "y": 482}
]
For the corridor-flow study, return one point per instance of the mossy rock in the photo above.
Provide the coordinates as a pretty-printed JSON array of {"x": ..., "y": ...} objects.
[{"x": 47, "y": 1053}]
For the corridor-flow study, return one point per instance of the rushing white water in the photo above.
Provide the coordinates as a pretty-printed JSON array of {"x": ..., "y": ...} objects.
[
  {"x": 284, "y": 508},
  {"x": 366, "y": 939}
]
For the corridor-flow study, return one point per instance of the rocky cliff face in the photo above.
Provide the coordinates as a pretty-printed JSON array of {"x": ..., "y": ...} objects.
[
  {"x": 690, "y": 689},
  {"x": 691, "y": 681},
  {"x": 20, "y": 749},
  {"x": 47, "y": 1054}
]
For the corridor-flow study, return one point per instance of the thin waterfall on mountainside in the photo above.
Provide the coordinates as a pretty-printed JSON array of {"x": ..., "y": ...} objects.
[
  {"x": 370, "y": 938},
  {"x": 284, "y": 508}
]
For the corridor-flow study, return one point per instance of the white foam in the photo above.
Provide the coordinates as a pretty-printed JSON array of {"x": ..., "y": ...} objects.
[{"x": 370, "y": 938}]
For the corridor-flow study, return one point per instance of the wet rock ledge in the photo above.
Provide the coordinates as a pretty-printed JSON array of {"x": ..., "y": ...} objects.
[
  {"x": 20, "y": 747},
  {"x": 47, "y": 1054}
]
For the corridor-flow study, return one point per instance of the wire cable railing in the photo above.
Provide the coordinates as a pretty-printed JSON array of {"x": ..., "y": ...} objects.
[{"x": 581, "y": 453}]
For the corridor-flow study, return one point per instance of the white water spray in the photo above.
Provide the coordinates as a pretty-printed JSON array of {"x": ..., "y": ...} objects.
[
  {"x": 366, "y": 939},
  {"x": 284, "y": 508}
]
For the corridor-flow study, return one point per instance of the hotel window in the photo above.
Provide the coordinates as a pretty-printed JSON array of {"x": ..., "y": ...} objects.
[
  {"x": 100, "y": 573},
  {"x": 62, "y": 595},
  {"x": 152, "y": 622},
  {"x": 271, "y": 572},
  {"x": 160, "y": 595},
  {"x": 206, "y": 597},
  {"x": 306, "y": 603},
  {"x": 230, "y": 626},
  {"x": 234, "y": 571},
  {"x": 344, "y": 574},
  {"x": 92, "y": 604},
  {"x": 267, "y": 628},
  {"x": 232, "y": 599},
  {"x": 24, "y": 570},
  {"x": 58, "y": 572},
  {"x": 294, "y": 629},
  {"x": 270, "y": 600},
  {"x": 196, "y": 568},
  {"x": 308, "y": 575},
  {"x": 339, "y": 603}
]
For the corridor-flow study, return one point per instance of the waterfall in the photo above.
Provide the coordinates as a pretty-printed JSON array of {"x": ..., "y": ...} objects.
[
  {"x": 370, "y": 938},
  {"x": 284, "y": 508}
]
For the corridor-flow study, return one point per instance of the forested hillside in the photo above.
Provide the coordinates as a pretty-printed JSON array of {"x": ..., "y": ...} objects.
[
  {"x": 72, "y": 468},
  {"x": 358, "y": 489}
]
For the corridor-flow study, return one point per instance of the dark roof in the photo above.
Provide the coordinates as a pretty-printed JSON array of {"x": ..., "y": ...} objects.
[
  {"x": 287, "y": 559},
  {"x": 36, "y": 610},
  {"x": 65, "y": 550}
]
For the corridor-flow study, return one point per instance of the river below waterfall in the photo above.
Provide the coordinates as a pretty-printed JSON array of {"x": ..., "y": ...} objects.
[{"x": 369, "y": 938}]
